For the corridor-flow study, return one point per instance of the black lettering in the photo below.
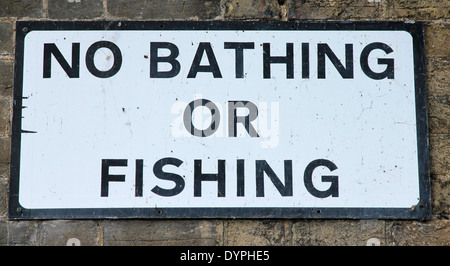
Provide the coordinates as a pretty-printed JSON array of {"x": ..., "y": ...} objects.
[
  {"x": 213, "y": 67},
  {"x": 334, "y": 188},
  {"x": 389, "y": 62},
  {"x": 199, "y": 177},
  {"x": 90, "y": 59},
  {"x": 288, "y": 60},
  {"x": 155, "y": 59},
  {"x": 263, "y": 167},
  {"x": 139, "y": 178},
  {"x": 106, "y": 177},
  {"x": 233, "y": 119},
  {"x": 346, "y": 72},
  {"x": 177, "y": 179},
  {"x": 239, "y": 48},
  {"x": 240, "y": 177},
  {"x": 71, "y": 71},
  {"x": 215, "y": 118},
  {"x": 305, "y": 60}
]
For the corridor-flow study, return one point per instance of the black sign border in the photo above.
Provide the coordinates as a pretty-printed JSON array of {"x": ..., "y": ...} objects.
[{"x": 421, "y": 211}]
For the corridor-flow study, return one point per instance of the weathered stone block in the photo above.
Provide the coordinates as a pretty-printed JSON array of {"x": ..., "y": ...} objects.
[
  {"x": 21, "y": 8},
  {"x": 5, "y": 149},
  {"x": 440, "y": 189},
  {"x": 6, "y": 38},
  {"x": 412, "y": 233},
  {"x": 6, "y": 73},
  {"x": 3, "y": 233},
  {"x": 163, "y": 233},
  {"x": 439, "y": 113},
  {"x": 437, "y": 38},
  {"x": 63, "y": 232},
  {"x": 335, "y": 10},
  {"x": 438, "y": 76},
  {"x": 3, "y": 200},
  {"x": 439, "y": 151},
  {"x": 4, "y": 169},
  {"x": 251, "y": 9},
  {"x": 22, "y": 233},
  {"x": 340, "y": 233},
  {"x": 5, "y": 116},
  {"x": 416, "y": 9},
  {"x": 171, "y": 9},
  {"x": 6, "y": 79},
  {"x": 64, "y": 9},
  {"x": 257, "y": 232}
]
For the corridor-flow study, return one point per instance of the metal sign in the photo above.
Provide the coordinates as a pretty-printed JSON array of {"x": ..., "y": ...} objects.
[{"x": 219, "y": 119}]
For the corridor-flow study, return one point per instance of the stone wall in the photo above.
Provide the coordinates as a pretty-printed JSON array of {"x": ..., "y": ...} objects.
[{"x": 227, "y": 232}]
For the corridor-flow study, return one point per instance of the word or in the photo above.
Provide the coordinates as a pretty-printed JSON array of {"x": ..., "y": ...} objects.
[{"x": 202, "y": 118}]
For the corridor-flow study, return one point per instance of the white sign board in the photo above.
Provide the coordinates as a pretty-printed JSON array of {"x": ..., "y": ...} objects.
[{"x": 219, "y": 119}]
